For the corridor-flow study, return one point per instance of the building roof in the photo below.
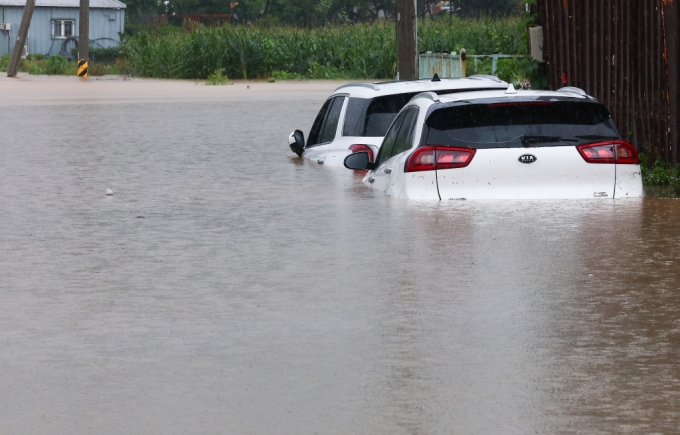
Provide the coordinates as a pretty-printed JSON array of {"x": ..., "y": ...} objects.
[{"x": 94, "y": 4}]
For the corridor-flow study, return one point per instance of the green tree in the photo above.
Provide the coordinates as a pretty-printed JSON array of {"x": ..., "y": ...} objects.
[{"x": 137, "y": 8}]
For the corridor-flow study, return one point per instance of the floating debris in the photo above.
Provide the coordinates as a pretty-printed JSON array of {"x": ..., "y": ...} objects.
[{"x": 141, "y": 217}]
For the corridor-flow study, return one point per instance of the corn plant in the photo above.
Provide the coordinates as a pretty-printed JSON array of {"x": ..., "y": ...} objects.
[{"x": 360, "y": 51}]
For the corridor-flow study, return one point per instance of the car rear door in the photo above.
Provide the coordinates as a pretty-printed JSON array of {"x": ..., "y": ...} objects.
[
  {"x": 525, "y": 150},
  {"x": 379, "y": 178}
]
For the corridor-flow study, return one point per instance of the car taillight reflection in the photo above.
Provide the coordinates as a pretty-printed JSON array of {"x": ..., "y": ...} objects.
[
  {"x": 617, "y": 151},
  {"x": 430, "y": 158},
  {"x": 359, "y": 148}
]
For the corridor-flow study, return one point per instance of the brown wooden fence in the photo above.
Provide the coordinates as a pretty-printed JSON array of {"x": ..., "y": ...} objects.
[{"x": 624, "y": 53}]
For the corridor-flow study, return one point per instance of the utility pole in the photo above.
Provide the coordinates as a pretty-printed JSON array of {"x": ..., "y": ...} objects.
[
  {"x": 21, "y": 39},
  {"x": 83, "y": 38},
  {"x": 407, "y": 40}
]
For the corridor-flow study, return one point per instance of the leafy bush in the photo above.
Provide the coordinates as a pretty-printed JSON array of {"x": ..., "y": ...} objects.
[
  {"x": 123, "y": 67},
  {"x": 53, "y": 65},
  {"x": 37, "y": 56},
  {"x": 661, "y": 173},
  {"x": 217, "y": 78},
  {"x": 96, "y": 69},
  {"x": 283, "y": 75},
  {"x": 4, "y": 62},
  {"x": 522, "y": 71},
  {"x": 56, "y": 64},
  {"x": 35, "y": 70}
]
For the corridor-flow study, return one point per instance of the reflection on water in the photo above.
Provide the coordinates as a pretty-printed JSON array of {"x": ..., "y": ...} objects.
[
  {"x": 660, "y": 192},
  {"x": 267, "y": 294}
]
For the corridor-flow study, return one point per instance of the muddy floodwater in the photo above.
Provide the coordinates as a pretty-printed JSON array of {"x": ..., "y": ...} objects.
[{"x": 228, "y": 287}]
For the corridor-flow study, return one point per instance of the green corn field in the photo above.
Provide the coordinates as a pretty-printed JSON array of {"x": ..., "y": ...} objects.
[{"x": 359, "y": 51}]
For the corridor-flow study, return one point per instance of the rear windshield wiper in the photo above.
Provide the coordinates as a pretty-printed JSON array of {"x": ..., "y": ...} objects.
[{"x": 528, "y": 141}]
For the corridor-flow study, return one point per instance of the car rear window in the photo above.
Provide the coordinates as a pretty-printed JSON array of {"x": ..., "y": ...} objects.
[
  {"x": 520, "y": 124},
  {"x": 372, "y": 117}
]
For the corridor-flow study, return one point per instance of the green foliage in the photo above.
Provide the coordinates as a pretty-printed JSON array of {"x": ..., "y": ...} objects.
[
  {"x": 96, "y": 69},
  {"x": 480, "y": 8},
  {"x": 661, "y": 173},
  {"x": 217, "y": 78},
  {"x": 53, "y": 65},
  {"x": 35, "y": 69},
  {"x": 57, "y": 65},
  {"x": 305, "y": 13},
  {"x": 136, "y": 9},
  {"x": 359, "y": 51},
  {"x": 105, "y": 56},
  {"x": 523, "y": 72},
  {"x": 35, "y": 57},
  {"x": 135, "y": 29},
  {"x": 4, "y": 62},
  {"x": 283, "y": 75},
  {"x": 479, "y": 36}
]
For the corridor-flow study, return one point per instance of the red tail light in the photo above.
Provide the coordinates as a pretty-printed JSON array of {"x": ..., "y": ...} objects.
[
  {"x": 357, "y": 148},
  {"x": 617, "y": 151},
  {"x": 430, "y": 158},
  {"x": 626, "y": 154}
]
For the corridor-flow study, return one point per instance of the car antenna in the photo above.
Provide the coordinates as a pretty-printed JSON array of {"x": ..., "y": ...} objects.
[{"x": 436, "y": 78}]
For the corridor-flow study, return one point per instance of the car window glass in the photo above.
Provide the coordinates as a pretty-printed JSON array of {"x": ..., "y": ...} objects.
[
  {"x": 404, "y": 140},
  {"x": 330, "y": 125},
  {"x": 313, "y": 138},
  {"x": 520, "y": 124},
  {"x": 382, "y": 111},
  {"x": 353, "y": 117},
  {"x": 388, "y": 143}
]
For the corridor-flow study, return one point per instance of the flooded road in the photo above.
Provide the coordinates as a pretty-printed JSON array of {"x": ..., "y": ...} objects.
[{"x": 263, "y": 294}]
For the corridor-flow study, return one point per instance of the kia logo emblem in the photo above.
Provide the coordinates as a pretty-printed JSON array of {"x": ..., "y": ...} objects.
[{"x": 527, "y": 158}]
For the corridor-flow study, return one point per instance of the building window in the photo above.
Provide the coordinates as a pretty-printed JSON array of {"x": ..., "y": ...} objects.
[{"x": 62, "y": 29}]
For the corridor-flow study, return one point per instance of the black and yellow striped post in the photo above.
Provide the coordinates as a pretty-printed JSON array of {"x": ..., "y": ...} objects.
[{"x": 82, "y": 68}]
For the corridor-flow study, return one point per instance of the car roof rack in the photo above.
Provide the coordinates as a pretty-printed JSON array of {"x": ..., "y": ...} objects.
[
  {"x": 573, "y": 90},
  {"x": 360, "y": 85},
  {"x": 485, "y": 77}
]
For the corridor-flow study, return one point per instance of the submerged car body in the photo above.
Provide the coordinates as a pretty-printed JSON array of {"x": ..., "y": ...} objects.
[
  {"x": 356, "y": 116},
  {"x": 503, "y": 145}
]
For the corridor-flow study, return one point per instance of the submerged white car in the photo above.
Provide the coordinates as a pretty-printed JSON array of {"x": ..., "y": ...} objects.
[
  {"x": 356, "y": 116},
  {"x": 503, "y": 145}
]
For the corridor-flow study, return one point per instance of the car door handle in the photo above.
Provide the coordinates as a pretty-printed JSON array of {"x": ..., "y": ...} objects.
[
  {"x": 371, "y": 179},
  {"x": 388, "y": 170}
]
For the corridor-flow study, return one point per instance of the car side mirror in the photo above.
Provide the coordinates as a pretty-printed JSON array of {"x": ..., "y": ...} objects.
[
  {"x": 296, "y": 141},
  {"x": 359, "y": 161}
]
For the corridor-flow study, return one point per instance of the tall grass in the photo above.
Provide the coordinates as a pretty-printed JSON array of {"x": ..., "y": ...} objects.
[{"x": 360, "y": 51}]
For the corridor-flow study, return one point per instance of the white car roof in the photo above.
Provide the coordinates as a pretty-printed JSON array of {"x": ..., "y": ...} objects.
[
  {"x": 379, "y": 89},
  {"x": 433, "y": 98},
  {"x": 502, "y": 94}
]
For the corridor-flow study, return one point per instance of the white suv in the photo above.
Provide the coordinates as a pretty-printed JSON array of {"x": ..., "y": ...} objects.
[
  {"x": 356, "y": 116},
  {"x": 503, "y": 145}
]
